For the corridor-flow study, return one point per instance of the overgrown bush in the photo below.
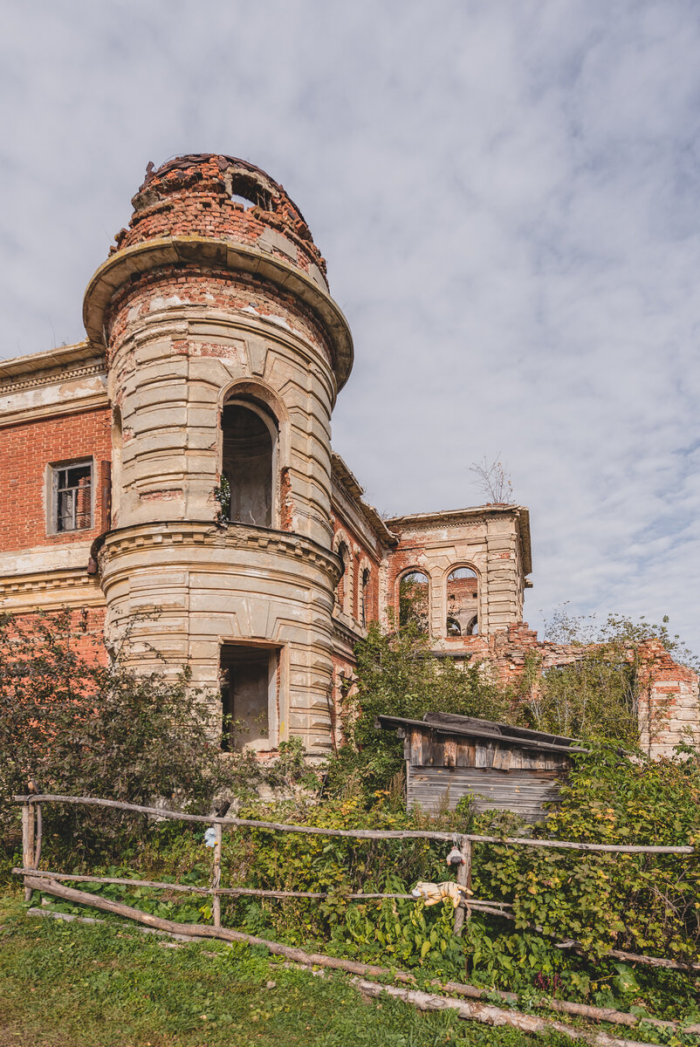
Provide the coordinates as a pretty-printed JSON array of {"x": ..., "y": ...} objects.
[
  {"x": 398, "y": 676},
  {"x": 75, "y": 721},
  {"x": 637, "y": 902}
]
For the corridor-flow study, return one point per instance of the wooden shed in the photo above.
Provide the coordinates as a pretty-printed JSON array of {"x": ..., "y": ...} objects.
[{"x": 498, "y": 766}]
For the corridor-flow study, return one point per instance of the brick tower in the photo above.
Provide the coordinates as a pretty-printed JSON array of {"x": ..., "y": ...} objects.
[{"x": 225, "y": 353}]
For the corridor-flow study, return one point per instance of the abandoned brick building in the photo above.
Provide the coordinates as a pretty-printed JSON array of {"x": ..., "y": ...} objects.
[{"x": 175, "y": 471}]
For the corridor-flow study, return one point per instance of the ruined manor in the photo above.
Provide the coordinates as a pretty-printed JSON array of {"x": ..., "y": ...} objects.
[{"x": 175, "y": 471}]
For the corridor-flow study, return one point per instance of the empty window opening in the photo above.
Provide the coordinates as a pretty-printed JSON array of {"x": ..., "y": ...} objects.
[
  {"x": 248, "y": 453},
  {"x": 247, "y": 191},
  {"x": 363, "y": 596},
  {"x": 453, "y": 627},
  {"x": 414, "y": 590},
  {"x": 343, "y": 589},
  {"x": 462, "y": 590},
  {"x": 248, "y": 676},
  {"x": 71, "y": 497}
]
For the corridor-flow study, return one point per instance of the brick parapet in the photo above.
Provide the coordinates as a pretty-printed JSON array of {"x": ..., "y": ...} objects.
[{"x": 196, "y": 194}]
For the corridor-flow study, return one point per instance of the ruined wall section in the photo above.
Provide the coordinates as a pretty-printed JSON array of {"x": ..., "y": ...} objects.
[
  {"x": 669, "y": 710},
  {"x": 210, "y": 195},
  {"x": 669, "y": 706},
  {"x": 493, "y": 541}
]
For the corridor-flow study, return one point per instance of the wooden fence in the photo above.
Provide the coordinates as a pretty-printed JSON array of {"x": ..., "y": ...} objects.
[{"x": 32, "y": 831}]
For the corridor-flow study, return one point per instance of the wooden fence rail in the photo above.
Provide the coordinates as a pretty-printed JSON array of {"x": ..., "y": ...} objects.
[
  {"x": 234, "y": 892},
  {"x": 32, "y": 832},
  {"x": 357, "y": 834}
]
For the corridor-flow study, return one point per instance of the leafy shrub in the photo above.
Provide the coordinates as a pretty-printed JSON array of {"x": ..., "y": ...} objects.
[
  {"x": 638, "y": 902},
  {"x": 398, "y": 676},
  {"x": 78, "y": 722}
]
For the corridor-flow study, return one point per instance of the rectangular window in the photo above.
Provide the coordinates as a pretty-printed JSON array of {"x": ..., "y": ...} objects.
[
  {"x": 71, "y": 501},
  {"x": 248, "y": 696}
]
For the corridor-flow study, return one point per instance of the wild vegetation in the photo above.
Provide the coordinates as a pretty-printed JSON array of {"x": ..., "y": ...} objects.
[{"x": 78, "y": 727}]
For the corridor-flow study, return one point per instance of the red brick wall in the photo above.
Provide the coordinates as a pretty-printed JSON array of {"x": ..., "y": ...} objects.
[
  {"x": 87, "y": 631},
  {"x": 25, "y": 452}
]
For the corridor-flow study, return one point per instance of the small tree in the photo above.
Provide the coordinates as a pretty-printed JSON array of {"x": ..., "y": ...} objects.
[
  {"x": 494, "y": 481},
  {"x": 397, "y": 675}
]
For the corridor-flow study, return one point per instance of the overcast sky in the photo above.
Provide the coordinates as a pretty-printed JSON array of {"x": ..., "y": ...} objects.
[{"x": 507, "y": 197}]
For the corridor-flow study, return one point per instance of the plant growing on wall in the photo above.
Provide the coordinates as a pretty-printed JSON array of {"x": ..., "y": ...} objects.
[
  {"x": 222, "y": 495},
  {"x": 494, "y": 481}
]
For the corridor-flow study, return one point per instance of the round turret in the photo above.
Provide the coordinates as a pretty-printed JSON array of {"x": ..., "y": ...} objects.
[{"x": 225, "y": 354}]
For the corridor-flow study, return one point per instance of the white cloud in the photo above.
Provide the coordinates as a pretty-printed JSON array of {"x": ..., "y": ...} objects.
[{"x": 507, "y": 198}]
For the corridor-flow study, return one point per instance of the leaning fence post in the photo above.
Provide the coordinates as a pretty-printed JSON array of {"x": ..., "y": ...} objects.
[
  {"x": 216, "y": 877},
  {"x": 464, "y": 879},
  {"x": 28, "y": 817}
]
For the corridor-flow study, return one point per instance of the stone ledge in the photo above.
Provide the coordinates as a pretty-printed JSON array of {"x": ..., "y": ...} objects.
[{"x": 206, "y": 534}]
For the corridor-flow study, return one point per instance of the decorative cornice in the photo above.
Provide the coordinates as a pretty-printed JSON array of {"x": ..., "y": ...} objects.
[
  {"x": 50, "y": 582},
  {"x": 350, "y": 487},
  {"x": 50, "y": 360},
  {"x": 217, "y": 254},
  {"x": 348, "y": 629},
  {"x": 447, "y": 516},
  {"x": 205, "y": 534},
  {"x": 68, "y": 374}
]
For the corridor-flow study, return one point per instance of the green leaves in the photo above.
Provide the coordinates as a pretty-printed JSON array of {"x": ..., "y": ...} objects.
[
  {"x": 397, "y": 674},
  {"x": 82, "y": 723}
]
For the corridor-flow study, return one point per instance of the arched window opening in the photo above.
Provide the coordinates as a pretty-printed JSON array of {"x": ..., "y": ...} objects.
[
  {"x": 473, "y": 627},
  {"x": 249, "y": 192},
  {"x": 248, "y": 463},
  {"x": 453, "y": 627},
  {"x": 116, "y": 479},
  {"x": 462, "y": 602},
  {"x": 363, "y": 597},
  {"x": 343, "y": 589},
  {"x": 414, "y": 589}
]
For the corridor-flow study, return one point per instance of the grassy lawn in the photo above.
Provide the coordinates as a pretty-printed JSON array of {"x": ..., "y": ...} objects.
[{"x": 77, "y": 985}]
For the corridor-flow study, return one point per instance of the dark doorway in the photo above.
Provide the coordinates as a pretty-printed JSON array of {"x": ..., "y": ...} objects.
[
  {"x": 248, "y": 450},
  {"x": 247, "y": 674}
]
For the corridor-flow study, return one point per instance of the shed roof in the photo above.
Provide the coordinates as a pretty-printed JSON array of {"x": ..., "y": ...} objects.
[{"x": 490, "y": 730}]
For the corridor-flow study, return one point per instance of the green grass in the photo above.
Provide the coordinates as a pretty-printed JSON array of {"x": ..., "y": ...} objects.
[{"x": 78, "y": 985}]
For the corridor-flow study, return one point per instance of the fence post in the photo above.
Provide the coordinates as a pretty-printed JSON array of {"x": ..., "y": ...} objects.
[
  {"x": 464, "y": 879},
  {"x": 28, "y": 817},
  {"x": 216, "y": 877}
]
